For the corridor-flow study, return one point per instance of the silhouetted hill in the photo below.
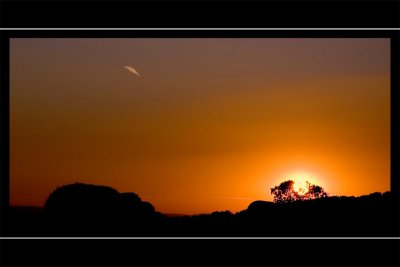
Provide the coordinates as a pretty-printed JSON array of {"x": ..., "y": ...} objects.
[
  {"x": 370, "y": 215},
  {"x": 92, "y": 210},
  {"x": 88, "y": 200},
  {"x": 260, "y": 205}
]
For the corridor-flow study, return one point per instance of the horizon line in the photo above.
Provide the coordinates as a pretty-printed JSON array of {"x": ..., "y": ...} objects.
[{"x": 180, "y": 214}]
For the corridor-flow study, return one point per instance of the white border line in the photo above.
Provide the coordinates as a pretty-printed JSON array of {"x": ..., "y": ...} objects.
[
  {"x": 283, "y": 237},
  {"x": 199, "y": 29}
]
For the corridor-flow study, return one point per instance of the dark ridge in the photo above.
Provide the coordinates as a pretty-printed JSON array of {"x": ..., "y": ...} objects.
[{"x": 94, "y": 210}]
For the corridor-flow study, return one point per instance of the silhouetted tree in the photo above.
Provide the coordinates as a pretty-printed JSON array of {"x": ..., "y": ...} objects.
[
  {"x": 314, "y": 191},
  {"x": 285, "y": 192}
]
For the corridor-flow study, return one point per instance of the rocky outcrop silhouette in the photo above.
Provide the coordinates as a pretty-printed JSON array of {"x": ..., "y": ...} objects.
[
  {"x": 98, "y": 209},
  {"x": 85, "y": 199},
  {"x": 260, "y": 205}
]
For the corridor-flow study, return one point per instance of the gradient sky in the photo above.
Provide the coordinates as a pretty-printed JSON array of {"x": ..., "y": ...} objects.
[{"x": 211, "y": 124}]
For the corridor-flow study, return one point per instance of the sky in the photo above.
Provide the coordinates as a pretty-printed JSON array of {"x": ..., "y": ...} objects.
[{"x": 209, "y": 125}]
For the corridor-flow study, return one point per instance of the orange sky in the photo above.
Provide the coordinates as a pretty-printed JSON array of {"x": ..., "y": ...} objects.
[{"x": 211, "y": 124}]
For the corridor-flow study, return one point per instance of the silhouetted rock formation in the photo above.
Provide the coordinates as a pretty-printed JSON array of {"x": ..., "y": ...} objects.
[
  {"x": 87, "y": 200},
  {"x": 98, "y": 209},
  {"x": 260, "y": 205}
]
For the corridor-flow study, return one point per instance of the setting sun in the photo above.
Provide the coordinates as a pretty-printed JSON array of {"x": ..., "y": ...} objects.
[
  {"x": 300, "y": 187},
  {"x": 301, "y": 178}
]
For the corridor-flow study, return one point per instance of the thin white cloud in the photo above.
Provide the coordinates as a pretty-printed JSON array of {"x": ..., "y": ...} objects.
[{"x": 132, "y": 70}]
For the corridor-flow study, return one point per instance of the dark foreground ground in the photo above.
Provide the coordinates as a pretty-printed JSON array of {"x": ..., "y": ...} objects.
[{"x": 370, "y": 215}]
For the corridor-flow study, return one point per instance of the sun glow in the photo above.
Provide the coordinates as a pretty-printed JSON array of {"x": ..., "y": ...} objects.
[
  {"x": 300, "y": 187},
  {"x": 300, "y": 180}
]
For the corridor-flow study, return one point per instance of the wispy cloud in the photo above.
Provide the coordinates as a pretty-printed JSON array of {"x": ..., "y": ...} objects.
[{"x": 132, "y": 70}]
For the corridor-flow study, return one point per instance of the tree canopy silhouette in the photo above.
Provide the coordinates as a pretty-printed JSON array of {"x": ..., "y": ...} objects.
[{"x": 285, "y": 192}]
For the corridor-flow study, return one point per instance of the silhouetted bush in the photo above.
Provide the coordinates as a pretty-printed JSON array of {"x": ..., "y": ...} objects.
[{"x": 285, "y": 192}]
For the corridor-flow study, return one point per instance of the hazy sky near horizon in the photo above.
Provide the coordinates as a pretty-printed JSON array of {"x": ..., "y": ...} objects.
[{"x": 210, "y": 124}]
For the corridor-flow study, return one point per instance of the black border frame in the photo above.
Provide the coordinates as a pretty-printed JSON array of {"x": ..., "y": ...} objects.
[
  {"x": 118, "y": 252},
  {"x": 218, "y": 13}
]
